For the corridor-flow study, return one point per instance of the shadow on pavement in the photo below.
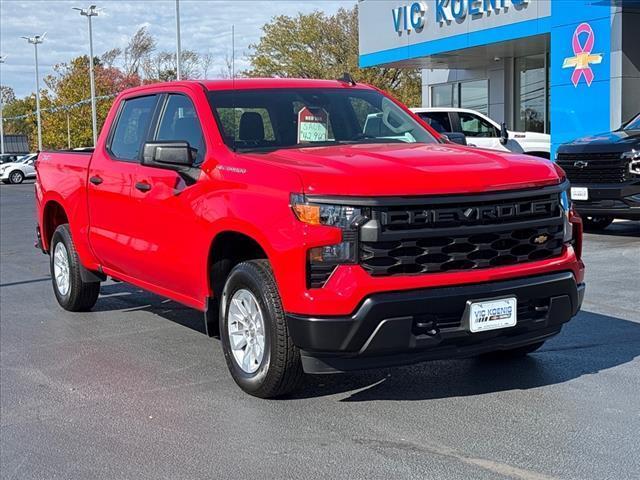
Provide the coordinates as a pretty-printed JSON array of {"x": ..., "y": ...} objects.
[{"x": 128, "y": 298}]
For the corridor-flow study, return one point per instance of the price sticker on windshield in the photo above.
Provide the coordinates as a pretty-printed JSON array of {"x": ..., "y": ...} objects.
[{"x": 313, "y": 125}]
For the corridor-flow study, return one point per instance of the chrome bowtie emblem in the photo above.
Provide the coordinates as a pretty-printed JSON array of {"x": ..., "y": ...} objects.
[
  {"x": 540, "y": 239},
  {"x": 580, "y": 164}
]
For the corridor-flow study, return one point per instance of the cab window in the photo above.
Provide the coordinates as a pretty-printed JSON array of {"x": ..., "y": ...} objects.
[
  {"x": 473, "y": 126},
  {"x": 179, "y": 122},
  {"x": 439, "y": 121}
]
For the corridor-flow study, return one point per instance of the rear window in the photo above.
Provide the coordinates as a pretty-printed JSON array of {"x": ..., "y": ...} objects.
[{"x": 268, "y": 119}]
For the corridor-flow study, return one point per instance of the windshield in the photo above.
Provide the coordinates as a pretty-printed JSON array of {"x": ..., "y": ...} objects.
[
  {"x": 633, "y": 124},
  {"x": 308, "y": 117}
]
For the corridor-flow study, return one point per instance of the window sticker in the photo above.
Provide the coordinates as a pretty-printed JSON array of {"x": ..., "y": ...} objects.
[{"x": 313, "y": 125}]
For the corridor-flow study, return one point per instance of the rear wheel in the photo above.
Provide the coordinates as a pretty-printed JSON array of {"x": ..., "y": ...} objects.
[
  {"x": 596, "y": 223},
  {"x": 514, "y": 352},
  {"x": 71, "y": 291},
  {"x": 16, "y": 177},
  {"x": 257, "y": 347}
]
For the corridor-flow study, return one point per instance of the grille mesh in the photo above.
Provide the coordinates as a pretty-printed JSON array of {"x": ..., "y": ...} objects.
[
  {"x": 599, "y": 168},
  {"x": 441, "y": 254}
]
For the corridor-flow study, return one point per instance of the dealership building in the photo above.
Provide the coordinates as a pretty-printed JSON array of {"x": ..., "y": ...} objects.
[{"x": 565, "y": 67}]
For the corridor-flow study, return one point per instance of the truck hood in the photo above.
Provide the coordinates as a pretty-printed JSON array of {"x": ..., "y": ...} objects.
[
  {"x": 618, "y": 141},
  {"x": 409, "y": 169}
]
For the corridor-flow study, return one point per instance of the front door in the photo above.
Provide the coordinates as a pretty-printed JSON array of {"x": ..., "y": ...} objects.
[
  {"x": 112, "y": 223},
  {"x": 164, "y": 202}
]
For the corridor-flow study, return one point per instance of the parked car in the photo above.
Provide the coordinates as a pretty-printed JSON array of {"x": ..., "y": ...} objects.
[
  {"x": 309, "y": 245},
  {"x": 483, "y": 132},
  {"x": 604, "y": 171},
  {"x": 18, "y": 171}
]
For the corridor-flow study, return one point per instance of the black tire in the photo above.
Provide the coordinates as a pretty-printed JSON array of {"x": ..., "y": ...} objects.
[
  {"x": 596, "y": 224},
  {"x": 16, "y": 177},
  {"x": 81, "y": 296},
  {"x": 280, "y": 370},
  {"x": 514, "y": 352}
]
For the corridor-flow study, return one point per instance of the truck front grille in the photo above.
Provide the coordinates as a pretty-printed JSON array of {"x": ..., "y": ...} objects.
[
  {"x": 587, "y": 168},
  {"x": 462, "y": 233}
]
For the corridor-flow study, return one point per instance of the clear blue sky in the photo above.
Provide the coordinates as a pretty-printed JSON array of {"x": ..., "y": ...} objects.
[{"x": 206, "y": 28}]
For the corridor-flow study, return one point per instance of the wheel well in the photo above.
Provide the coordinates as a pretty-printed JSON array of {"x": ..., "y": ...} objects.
[
  {"x": 54, "y": 216},
  {"x": 227, "y": 250}
]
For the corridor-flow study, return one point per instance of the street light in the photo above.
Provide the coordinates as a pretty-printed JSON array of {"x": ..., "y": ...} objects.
[
  {"x": 2, "y": 59},
  {"x": 178, "y": 49},
  {"x": 91, "y": 12},
  {"x": 35, "y": 41}
]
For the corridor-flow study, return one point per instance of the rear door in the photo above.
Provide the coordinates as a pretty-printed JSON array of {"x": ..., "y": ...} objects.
[
  {"x": 170, "y": 235},
  {"x": 111, "y": 173}
]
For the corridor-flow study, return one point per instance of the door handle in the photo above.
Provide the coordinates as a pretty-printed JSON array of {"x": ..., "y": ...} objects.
[
  {"x": 143, "y": 186},
  {"x": 95, "y": 180}
]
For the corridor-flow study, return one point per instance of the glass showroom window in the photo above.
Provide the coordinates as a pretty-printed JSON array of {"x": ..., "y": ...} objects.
[
  {"x": 531, "y": 98},
  {"x": 473, "y": 94},
  {"x": 445, "y": 95}
]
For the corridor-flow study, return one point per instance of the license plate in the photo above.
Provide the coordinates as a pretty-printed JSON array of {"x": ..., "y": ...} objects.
[
  {"x": 579, "y": 193},
  {"x": 492, "y": 314}
]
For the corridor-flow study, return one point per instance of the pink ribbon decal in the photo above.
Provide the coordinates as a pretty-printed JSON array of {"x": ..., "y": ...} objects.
[{"x": 583, "y": 58}]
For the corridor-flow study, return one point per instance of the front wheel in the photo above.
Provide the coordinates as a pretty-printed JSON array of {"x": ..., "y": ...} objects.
[
  {"x": 16, "y": 177},
  {"x": 71, "y": 291},
  {"x": 261, "y": 357},
  {"x": 596, "y": 223}
]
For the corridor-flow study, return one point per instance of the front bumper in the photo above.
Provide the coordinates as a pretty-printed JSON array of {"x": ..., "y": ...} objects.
[
  {"x": 610, "y": 200},
  {"x": 396, "y": 328}
]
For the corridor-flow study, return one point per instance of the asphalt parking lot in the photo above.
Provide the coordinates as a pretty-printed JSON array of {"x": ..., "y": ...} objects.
[{"x": 136, "y": 390}]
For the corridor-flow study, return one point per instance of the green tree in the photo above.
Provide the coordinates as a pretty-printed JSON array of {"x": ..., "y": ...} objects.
[{"x": 316, "y": 45}]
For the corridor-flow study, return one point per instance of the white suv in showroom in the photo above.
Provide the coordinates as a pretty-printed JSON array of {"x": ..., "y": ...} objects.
[{"x": 483, "y": 132}]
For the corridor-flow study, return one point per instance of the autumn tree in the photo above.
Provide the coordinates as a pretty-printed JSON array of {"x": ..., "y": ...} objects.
[{"x": 316, "y": 45}]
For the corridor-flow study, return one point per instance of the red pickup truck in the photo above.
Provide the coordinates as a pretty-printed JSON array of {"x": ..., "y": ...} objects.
[{"x": 319, "y": 225}]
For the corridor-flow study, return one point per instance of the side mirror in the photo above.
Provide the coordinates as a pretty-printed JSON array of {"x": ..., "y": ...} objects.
[
  {"x": 504, "y": 134},
  {"x": 455, "y": 137},
  {"x": 169, "y": 155}
]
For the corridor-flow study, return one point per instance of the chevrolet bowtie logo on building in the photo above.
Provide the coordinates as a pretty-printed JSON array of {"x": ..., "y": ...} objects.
[
  {"x": 540, "y": 239},
  {"x": 580, "y": 164},
  {"x": 583, "y": 58}
]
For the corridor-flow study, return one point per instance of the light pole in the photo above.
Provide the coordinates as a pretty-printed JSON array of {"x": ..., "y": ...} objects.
[
  {"x": 178, "y": 49},
  {"x": 35, "y": 41},
  {"x": 1, "y": 117},
  {"x": 91, "y": 12}
]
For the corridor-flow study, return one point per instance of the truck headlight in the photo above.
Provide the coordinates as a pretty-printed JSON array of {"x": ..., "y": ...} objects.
[
  {"x": 340, "y": 216},
  {"x": 346, "y": 218},
  {"x": 565, "y": 205},
  {"x": 634, "y": 164}
]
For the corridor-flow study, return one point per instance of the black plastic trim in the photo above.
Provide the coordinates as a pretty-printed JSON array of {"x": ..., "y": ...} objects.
[
  {"x": 436, "y": 199},
  {"x": 385, "y": 323}
]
